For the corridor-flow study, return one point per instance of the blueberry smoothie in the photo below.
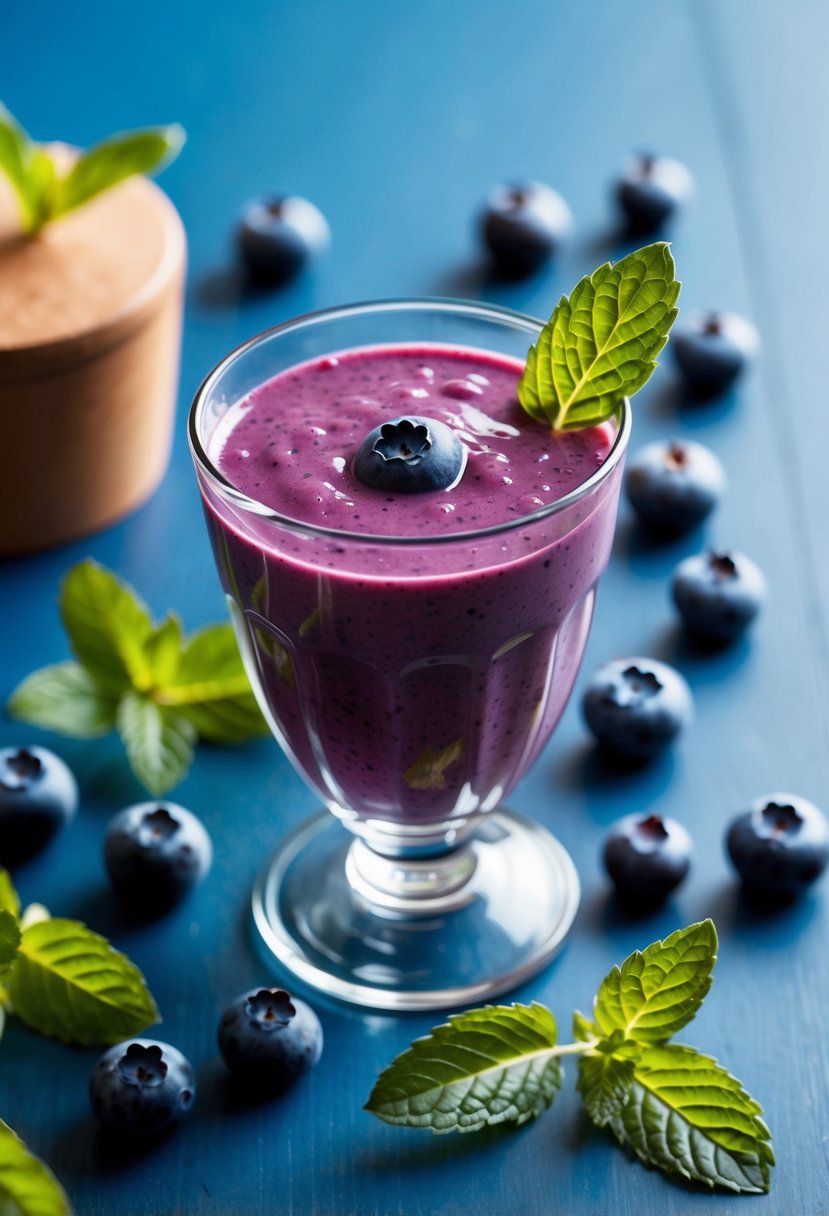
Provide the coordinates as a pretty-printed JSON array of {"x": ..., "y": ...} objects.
[{"x": 412, "y": 651}]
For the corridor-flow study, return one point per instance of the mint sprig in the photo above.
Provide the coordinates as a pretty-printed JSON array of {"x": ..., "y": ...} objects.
[
  {"x": 45, "y": 192},
  {"x": 677, "y": 1109},
  {"x": 160, "y": 691},
  {"x": 600, "y": 344},
  {"x": 27, "y": 1186}
]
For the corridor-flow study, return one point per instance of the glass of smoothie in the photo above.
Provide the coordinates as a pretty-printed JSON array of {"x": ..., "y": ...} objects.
[{"x": 411, "y": 648}]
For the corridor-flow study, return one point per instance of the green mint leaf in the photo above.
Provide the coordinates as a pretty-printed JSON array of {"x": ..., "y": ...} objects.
[
  {"x": 658, "y": 991},
  {"x": 686, "y": 1115},
  {"x": 601, "y": 343},
  {"x": 70, "y": 983},
  {"x": 65, "y": 698},
  {"x": 211, "y": 689},
  {"x": 159, "y": 742},
  {"x": 15, "y": 154},
  {"x": 604, "y": 1084},
  {"x": 488, "y": 1065},
  {"x": 112, "y": 161},
  {"x": 108, "y": 626},
  {"x": 163, "y": 651},
  {"x": 9, "y": 899},
  {"x": 27, "y": 1186},
  {"x": 9, "y": 939}
]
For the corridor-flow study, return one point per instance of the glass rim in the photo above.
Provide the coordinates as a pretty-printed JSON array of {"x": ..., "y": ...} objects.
[{"x": 450, "y": 307}]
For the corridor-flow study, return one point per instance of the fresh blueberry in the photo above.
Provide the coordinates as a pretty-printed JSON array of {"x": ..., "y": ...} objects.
[
  {"x": 142, "y": 1087},
  {"x": 636, "y": 707},
  {"x": 718, "y": 594},
  {"x": 646, "y": 857},
  {"x": 269, "y": 1037},
  {"x": 523, "y": 225},
  {"x": 650, "y": 190},
  {"x": 155, "y": 852},
  {"x": 779, "y": 845},
  {"x": 712, "y": 349},
  {"x": 38, "y": 795},
  {"x": 674, "y": 486},
  {"x": 410, "y": 455},
  {"x": 278, "y": 235}
]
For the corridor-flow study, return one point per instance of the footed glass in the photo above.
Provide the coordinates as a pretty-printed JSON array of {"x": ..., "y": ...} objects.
[{"x": 410, "y": 710}]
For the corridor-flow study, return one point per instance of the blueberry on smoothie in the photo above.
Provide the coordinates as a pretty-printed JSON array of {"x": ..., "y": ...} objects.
[
  {"x": 674, "y": 486},
  {"x": 523, "y": 225},
  {"x": 713, "y": 349},
  {"x": 410, "y": 455},
  {"x": 779, "y": 845},
  {"x": 650, "y": 190},
  {"x": 142, "y": 1087},
  {"x": 718, "y": 594},
  {"x": 278, "y": 235},
  {"x": 155, "y": 852},
  {"x": 635, "y": 707},
  {"x": 646, "y": 857},
  {"x": 38, "y": 795},
  {"x": 269, "y": 1037}
]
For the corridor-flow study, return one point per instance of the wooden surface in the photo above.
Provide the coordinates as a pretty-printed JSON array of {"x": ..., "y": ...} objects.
[{"x": 395, "y": 120}]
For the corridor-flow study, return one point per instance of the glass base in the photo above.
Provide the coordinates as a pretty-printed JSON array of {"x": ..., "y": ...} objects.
[{"x": 417, "y": 934}]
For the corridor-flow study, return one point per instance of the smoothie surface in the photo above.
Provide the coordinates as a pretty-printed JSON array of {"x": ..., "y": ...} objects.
[{"x": 290, "y": 443}]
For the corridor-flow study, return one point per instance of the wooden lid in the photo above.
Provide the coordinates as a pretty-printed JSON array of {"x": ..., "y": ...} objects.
[{"x": 88, "y": 278}]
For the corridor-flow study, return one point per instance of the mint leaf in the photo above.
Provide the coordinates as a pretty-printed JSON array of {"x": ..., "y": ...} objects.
[
  {"x": 687, "y": 1115},
  {"x": 9, "y": 899},
  {"x": 163, "y": 651},
  {"x": 108, "y": 626},
  {"x": 27, "y": 1186},
  {"x": 112, "y": 161},
  {"x": 70, "y": 983},
  {"x": 9, "y": 939},
  {"x": 159, "y": 742},
  {"x": 601, "y": 343},
  {"x": 64, "y": 698},
  {"x": 488, "y": 1065},
  {"x": 658, "y": 991},
  {"x": 604, "y": 1084},
  {"x": 211, "y": 689},
  {"x": 15, "y": 153}
]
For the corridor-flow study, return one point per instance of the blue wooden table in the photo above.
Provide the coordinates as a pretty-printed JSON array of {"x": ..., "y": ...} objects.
[{"x": 395, "y": 119}]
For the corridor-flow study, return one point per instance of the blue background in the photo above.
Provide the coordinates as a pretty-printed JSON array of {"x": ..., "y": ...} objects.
[{"x": 395, "y": 119}]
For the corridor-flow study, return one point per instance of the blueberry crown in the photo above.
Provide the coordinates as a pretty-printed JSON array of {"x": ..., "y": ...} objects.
[
  {"x": 142, "y": 1065},
  {"x": 403, "y": 440},
  {"x": 157, "y": 826},
  {"x": 21, "y": 769},
  {"x": 270, "y": 1007}
]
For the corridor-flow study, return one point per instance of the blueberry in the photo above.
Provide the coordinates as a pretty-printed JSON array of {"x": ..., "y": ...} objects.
[
  {"x": 278, "y": 235},
  {"x": 718, "y": 594},
  {"x": 38, "y": 795},
  {"x": 636, "y": 707},
  {"x": 269, "y": 1037},
  {"x": 650, "y": 190},
  {"x": 155, "y": 852},
  {"x": 674, "y": 486},
  {"x": 409, "y": 455},
  {"x": 646, "y": 857},
  {"x": 779, "y": 845},
  {"x": 713, "y": 349},
  {"x": 523, "y": 225},
  {"x": 142, "y": 1087}
]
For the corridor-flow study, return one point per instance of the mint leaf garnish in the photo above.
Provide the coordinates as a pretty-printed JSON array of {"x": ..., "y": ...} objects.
[
  {"x": 70, "y": 983},
  {"x": 27, "y": 1186},
  {"x": 161, "y": 691},
  {"x": 9, "y": 939},
  {"x": 678, "y": 1109},
  {"x": 601, "y": 343},
  {"x": 9, "y": 899},
  {"x": 489, "y": 1065},
  {"x": 687, "y": 1115},
  {"x": 657, "y": 992},
  {"x": 44, "y": 192}
]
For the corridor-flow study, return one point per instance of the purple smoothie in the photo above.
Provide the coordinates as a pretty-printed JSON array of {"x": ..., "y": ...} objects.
[{"x": 414, "y": 651}]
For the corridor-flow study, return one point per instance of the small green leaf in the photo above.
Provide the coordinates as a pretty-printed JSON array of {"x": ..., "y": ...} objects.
[
  {"x": 15, "y": 153},
  {"x": 70, "y": 983},
  {"x": 108, "y": 626},
  {"x": 687, "y": 1115},
  {"x": 9, "y": 939},
  {"x": 489, "y": 1065},
  {"x": 584, "y": 1031},
  {"x": 604, "y": 1084},
  {"x": 211, "y": 689},
  {"x": 163, "y": 650},
  {"x": 113, "y": 160},
  {"x": 27, "y": 1186},
  {"x": 9, "y": 899},
  {"x": 67, "y": 699},
  {"x": 601, "y": 343},
  {"x": 159, "y": 742},
  {"x": 429, "y": 769},
  {"x": 658, "y": 991}
]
